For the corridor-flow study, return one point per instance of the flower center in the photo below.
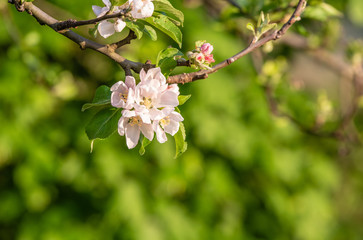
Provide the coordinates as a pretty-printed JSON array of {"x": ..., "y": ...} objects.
[
  {"x": 135, "y": 121},
  {"x": 123, "y": 96},
  {"x": 147, "y": 102},
  {"x": 165, "y": 122}
]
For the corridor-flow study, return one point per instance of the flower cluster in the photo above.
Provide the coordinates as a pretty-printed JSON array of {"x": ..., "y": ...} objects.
[
  {"x": 201, "y": 56},
  {"x": 148, "y": 107},
  {"x": 139, "y": 9}
]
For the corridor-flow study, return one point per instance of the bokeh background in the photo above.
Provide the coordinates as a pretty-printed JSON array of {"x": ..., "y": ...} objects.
[{"x": 247, "y": 174}]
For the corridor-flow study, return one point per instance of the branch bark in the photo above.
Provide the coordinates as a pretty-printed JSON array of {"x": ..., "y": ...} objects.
[
  {"x": 44, "y": 19},
  {"x": 202, "y": 74}
]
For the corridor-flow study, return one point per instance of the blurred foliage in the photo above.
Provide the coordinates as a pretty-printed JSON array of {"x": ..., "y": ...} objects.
[{"x": 246, "y": 175}]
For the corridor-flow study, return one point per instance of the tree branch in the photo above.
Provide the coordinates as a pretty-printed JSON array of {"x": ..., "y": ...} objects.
[
  {"x": 45, "y": 19},
  {"x": 126, "y": 40},
  {"x": 202, "y": 74},
  {"x": 71, "y": 23}
]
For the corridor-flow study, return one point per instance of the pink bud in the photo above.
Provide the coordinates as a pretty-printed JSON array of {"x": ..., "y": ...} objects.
[
  {"x": 209, "y": 58},
  {"x": 200, "y": 58},
  {"x": 206, "y": 48}
]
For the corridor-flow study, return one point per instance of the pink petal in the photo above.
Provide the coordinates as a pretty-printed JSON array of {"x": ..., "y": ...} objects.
[
  {"x": 132, "y": 135},
  {"x": 121, "y": 126},
  {"x": 168, "y": 99},
  {"x": 148, "y": 131},
  {"x": 130, "y": 82}
]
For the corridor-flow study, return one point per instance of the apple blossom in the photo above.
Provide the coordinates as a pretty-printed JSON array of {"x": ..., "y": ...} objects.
[
  {"x": 107, "y": 28},
  {"x": 123, "y": 93},
  {"x": 141, "y": 8},
  {"x": 201, "y": 56},
  {"x": 168, "y": 122},
  {"x": 206, "y": 48},
  {"x": 209, "y": 58},
  {"x": 131, "y": 124},
  {"x": 147, "y": 107}
]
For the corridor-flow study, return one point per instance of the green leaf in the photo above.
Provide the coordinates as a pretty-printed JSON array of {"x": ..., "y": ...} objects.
[
  {"x": 166, "y": 60},
  {"x": 102, "y": 98},
  {"x": 164, "y": 6},
  {"x": 103, "y": 124},
  {"x": 144, "y": 143},
  {"x": 150, "y": 31},
  {"x": 137, "y": 27},
  {"x": 251, "y": 27},
  {"x": 117, "y": 2},
  {"x": 93, "y": 31},
  {"x": 183, "y": 98},
  {"x": 321, "y": 12},
  {"x": 162, "y": 23},
  {"x": 180, "y": 143}
]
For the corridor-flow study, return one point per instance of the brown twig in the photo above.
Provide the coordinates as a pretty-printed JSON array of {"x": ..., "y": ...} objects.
[
  {"x": 126, "y": 40},
  {"x": 202, "y": 74},
  {"x": 71, "y": 23},
  {"x": 45, "y": 19}
]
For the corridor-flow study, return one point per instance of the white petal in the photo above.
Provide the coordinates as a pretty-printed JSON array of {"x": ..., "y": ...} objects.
[
  {"x": 175, "y": 116},
  {"x": 107, "y": 3},
  {"x": 128, "y": 114},
  {"x": 130, "y": 99},
  {"x": 167, "y": 111},
  {"x": 117, "y": 89},
  {"x": 160, "y": 134},
  {"x": 156, "y": 114},
  {"x": 97, "y": 10},
  {"x": 145, "y": 117},
  {"x": 174, "y": 88},
  {"x": 168, "y": 99},
  {"x": 106, "y": 29},
  {"x": 132, "y": 135},
  {"x": 130, "y": 82},
  {"x": 172, "y": 128},
  {"x": 148, "y": 131},
  {"x": 119, "y": 25},
  {"x": 142, "y": 75},
  {"x": 121, "y": 126},
  {"x": 155, "y": 73},
  {"x": 147, "y": 10}
]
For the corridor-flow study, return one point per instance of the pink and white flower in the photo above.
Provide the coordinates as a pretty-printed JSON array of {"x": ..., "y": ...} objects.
[
  {"x": 167, "y": 122},
  {"x": 206, "y": 48},
  {"x": 153, "y": 92},
  {"x": 131, "y": 124},
  {"x": 201, "y": 57},
  {"x": 123, "y": 93},
  {"x": 148, "y": 106}
]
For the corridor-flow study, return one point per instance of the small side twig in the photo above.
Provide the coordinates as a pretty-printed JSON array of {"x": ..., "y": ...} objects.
[
  {"x": 127, "y": 40},
  {"x": 45, "y": 19},
  {"x": 71, "y": 23},
  {"x": 202, "y": 74}
]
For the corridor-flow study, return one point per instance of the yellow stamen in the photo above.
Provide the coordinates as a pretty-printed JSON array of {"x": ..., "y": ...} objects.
[
  {"x": 135, "y": 121},
  {"x": 165, "y": 122},
  {"x": 147, "y": 102},
  {"x": 123, "y": 96}
]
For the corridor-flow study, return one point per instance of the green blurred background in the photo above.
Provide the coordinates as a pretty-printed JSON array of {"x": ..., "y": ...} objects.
[{"x": 246, "y": 174}]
